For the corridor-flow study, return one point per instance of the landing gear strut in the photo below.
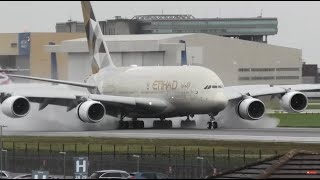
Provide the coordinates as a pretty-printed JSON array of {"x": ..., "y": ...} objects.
[
  {"x": 212, "y": 124},
  {"x": 162, "y": 124},
  {"x": 123, "y": 124},
  {"x": 188, "y": 123}
]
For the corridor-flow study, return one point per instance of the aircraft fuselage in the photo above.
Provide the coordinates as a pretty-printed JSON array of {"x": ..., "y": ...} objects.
[{"x": 182, "y": 87}]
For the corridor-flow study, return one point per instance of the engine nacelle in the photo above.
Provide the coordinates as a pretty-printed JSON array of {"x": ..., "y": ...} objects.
[
  {"x": 91, "y": 111},
  {"x": 294, "y": 101},
  {"x": 16, "y": 106},
  {"x": 250, "y": 109}
]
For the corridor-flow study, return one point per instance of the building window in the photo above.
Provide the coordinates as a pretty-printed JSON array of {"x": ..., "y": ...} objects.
[
  {"x": 262, "y": 78},
  {"x": 287, "y": 77},
  {"x": 262, "y": 69},
  {"x": 288, "y": 69},
  {"x": 244, "y": 78},
  {"x": 243, "y": 69}
]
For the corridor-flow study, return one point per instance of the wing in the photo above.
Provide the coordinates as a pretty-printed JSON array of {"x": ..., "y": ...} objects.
[
  {"x": 72, "y": 83},
  {"x": 62, "y": 95},
  {"x": 235, "y": 92}
]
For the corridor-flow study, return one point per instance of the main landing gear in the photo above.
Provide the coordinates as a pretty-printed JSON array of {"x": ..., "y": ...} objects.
[
  {"x": 212, "y": 124},
  {"x": 162, "y": 124},
  {"x": 134, "y": 124},
  {"x": 188, "y": 123}
]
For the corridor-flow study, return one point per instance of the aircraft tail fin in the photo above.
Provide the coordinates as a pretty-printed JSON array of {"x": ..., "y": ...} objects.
[{"x": 98, "y": 49}]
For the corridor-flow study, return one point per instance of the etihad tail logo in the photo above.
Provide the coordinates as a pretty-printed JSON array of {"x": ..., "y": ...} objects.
[{"x": 98, "y": 49}]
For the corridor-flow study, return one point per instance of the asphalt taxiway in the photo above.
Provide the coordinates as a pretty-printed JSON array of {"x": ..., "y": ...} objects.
[{"x": 301, "y": 135}]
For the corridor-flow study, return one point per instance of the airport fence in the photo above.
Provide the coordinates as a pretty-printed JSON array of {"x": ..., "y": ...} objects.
[{"x": 178, "y": 162}]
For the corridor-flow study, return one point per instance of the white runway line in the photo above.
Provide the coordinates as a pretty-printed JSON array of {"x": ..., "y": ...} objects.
[{"x": 303, "y": 135}]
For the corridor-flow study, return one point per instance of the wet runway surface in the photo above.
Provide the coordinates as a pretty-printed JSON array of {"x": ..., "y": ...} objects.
[{"x": 307, "y": 135}]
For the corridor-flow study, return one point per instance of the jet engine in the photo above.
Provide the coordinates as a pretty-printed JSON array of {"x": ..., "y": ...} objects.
[
  {"x": 250, "y": 109},
  {"x": 91, "y": 111},
  {"x": 294, "y": 101},
  {"x": 16, "y": 106}
]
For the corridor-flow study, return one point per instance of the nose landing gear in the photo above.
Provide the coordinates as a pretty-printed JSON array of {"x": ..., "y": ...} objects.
[{"x": 212, "y": 124}]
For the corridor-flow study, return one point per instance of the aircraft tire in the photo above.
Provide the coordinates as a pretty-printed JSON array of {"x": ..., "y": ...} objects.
[
  {"x": 214, "y": 125},
  {"x": 155, "y": 124},
  {"x": 137, "y": 124},
  {"x": 169, "y": 124},
  {"x": 209, "y": 125},
  {"x": 123, "y": 125},
  {"x": 193, "y": 124},
  {"x": 141, "y": 124},
  {"x": 165, "y": 124},
  {"x": 188, "y": 124}
]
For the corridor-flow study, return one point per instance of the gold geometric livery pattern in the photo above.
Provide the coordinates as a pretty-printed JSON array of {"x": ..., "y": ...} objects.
[{"x": 98, "y": 49}]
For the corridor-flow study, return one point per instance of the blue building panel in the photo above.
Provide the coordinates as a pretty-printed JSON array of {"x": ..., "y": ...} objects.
[{"x": 24, "y": 44}]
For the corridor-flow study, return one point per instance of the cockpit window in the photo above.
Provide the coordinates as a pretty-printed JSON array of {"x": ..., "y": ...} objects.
[{"x": 213, "y": 86}]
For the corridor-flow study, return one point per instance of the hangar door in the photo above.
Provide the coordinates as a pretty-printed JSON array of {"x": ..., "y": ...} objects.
[
  {"x": 116, "y": 58},
  {"x": 130, "y": 58},
  {"x": 79, "y": 67},
  {"x": 153, "y": 58},
  {"x": 142, "y": 58}
]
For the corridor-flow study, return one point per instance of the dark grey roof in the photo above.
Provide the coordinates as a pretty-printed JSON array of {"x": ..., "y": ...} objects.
[{"x": 294, "y": 164}]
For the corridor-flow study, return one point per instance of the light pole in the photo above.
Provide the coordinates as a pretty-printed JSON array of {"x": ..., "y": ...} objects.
[
  {"x": 201, "y": 158},
  {"x": 64, "y": 164},
  {"x": 138, "y": 158},
  {"x": 1, "y": 126},
  {"x": 5, "y": 158}
]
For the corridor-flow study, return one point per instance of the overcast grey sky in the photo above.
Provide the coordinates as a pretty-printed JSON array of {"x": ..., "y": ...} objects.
[{"x": 298, "y": 22}]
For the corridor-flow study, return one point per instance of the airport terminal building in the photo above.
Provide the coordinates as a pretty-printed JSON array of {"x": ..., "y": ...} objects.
[
  {"x": 235, "y": 48},
  {"x": 252, "y": 29}
]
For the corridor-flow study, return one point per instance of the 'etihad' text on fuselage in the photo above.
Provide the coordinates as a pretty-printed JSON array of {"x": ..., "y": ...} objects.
[{"x": 164, "y": 85}]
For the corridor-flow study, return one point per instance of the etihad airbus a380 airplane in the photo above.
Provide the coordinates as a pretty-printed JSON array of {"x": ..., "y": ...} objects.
[{"x": 157, "y": 92}]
